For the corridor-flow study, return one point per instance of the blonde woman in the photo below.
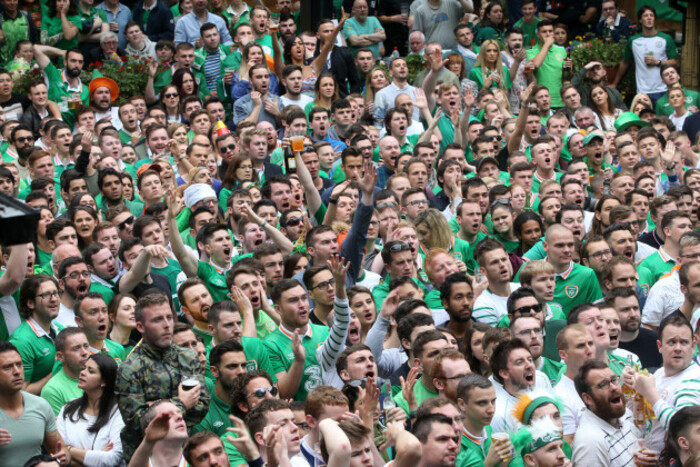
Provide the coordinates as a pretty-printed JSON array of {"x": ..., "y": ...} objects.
[
  {"x": 433, "y": 231},
  {"x": 488, "y": 71},
  {"x": 640, "y": 102},
  {"x": 377, "y": 79}
]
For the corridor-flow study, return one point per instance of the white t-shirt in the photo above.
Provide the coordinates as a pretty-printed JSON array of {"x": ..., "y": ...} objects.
[
  {"x": 490, "y": 308},
  {"x": 664, "y": 298},
  {"x": 503, "y": 419},
  {"x": 571, "y": 403},
  {"x": 648, "y": 78},
  {"x": 301, "y": 102}
]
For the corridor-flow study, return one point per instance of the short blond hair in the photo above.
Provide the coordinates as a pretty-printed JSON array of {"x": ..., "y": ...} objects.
[
  {"x": 429, "y": 258},
  {"x": 533, "y": 268}
]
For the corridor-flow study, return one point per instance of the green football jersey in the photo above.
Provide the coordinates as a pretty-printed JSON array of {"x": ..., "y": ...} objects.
[{"x": 577, "y": 285}]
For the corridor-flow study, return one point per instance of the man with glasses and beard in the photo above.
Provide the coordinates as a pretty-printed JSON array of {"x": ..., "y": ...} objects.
[
  {"x": 21, "y": 144},
  {"x": 606, "y": 434},
  {"x": 74, "y": 281},
  {"x": 65, "y": 86}
]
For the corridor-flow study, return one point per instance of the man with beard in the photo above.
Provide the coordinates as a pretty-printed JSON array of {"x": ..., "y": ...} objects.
[
  {"x": 449, "y": 368},
  {"x": 513, "y": 58},
  {"x": 104, "y": 91},
  {"x": 39, "y": 300},
  {"x": 74, "y": 281},
  {"x": 490, "y": 306},
  {"x": 591, "y": 74},
  {"x": 576, "y": 347},
  {"x": 292, "y": 79},
  {"x": 529, "y": 329},
  {"x": 195, "y": 301},
  {"x": 514, "y": 371},
  {"x": 606, "y": 434},
  {"x": 91, "y": 316},
  {"x": 72, "y": 351},
  {"x": 259, "y": 105},
  {"x": 633, "y": 336},
  {"x": 620, "y": 240},
  {"x": 103, "y": 269},
  {"x": 227, "y": 360},
  {"x": 65, "y": 85},
  {"x": 20, "y": 145},
  {"x": 245, "y": 282},
  {"x": 620, "y": 271},
  {"x": 155, "y": 370},
  {"x": 273, "y": 261}
]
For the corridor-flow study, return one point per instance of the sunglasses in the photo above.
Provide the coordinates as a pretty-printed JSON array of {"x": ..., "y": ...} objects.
[
  {"x": 125, "y": 222},
  {"x": 294, "y": 221},
  {"x": 523, "y": 310},
  {"x": 24, "y": 139},
  {"x": 170, "y": 95},
  {"x": 229, "y": 147},
  {"x": 400, "y": 246},
  {"x": 260, "y": 392},
  {"x": 499, "y": 201}
]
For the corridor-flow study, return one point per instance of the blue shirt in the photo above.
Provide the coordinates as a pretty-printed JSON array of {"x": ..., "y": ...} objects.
[
  {"x": 187, "y": 28},
  {"x": 244, "y": 106},
  {"x": 122, "y": 18}
]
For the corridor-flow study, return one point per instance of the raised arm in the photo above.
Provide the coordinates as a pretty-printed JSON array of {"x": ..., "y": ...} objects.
[
  {"x": 313, "y": 198},
  {"x": 514, "y": 141},
  {"x": 320, "y": 61},
  {"x": 275, "y": 235},
  {"x": 16, "y": 269},
  {"x": 436, "y": 64},
  {"x": 331, "y": 348},
  {"x": 140, "y": 268},
  {"x": 188, "y": 263},
  {"x": 43, "y": 52}
]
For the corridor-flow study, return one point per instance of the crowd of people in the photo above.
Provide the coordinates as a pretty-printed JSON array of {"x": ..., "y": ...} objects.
[{"x": 294, "y": 249}]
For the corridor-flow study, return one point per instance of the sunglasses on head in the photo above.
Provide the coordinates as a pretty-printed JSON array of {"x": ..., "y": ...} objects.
[
  {"x": 400, "y": 246},
  {"x": 260, "y": 392},
  {"x": 125, "y": 222}
]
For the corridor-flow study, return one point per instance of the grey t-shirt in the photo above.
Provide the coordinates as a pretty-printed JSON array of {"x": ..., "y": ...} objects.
[
  {"x": 27, "y": 431},
  {"x": 438, "y": 24}
]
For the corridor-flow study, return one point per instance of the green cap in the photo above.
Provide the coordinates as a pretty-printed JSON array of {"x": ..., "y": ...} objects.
[
  {"x": 628, "y": 119},
  {"x": 590, "y": 136}
]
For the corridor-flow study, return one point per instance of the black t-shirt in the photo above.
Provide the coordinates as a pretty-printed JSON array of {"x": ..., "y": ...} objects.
[
  {"x": 160, "y": 282},
  {"x": 644, "y": 346}
]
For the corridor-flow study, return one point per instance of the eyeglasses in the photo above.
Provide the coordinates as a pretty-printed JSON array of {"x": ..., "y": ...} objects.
[
  {"x": 209, "y": 201},
  {"x": 528, "y": 309},
  {"x": 494, "y": 137},
  {"x": 49, "y": 295},
  {"x": 24, "y": 139},
  {"x": 260, "y": 392},
  {"x": 418, "y": 202},
  {"x": 76, "y": 274},
  {"x": 528, "y": 332},
  {"x": 605, "y": 384},
  {"x": 125, "y": 222},
  {"x": 170, "y": 95},
  {"x": 324, "y": 285},
  {"x": 600, "y": 254},
  {"x": 294, "y": 221},
  {"x": 228, "y": 147}
]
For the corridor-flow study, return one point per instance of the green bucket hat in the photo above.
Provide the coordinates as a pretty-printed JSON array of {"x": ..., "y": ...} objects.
[{"x": 628, "y": 119}]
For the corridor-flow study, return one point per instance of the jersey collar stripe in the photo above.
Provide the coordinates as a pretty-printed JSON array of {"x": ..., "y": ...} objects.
[{"x": 471, "y": 438}]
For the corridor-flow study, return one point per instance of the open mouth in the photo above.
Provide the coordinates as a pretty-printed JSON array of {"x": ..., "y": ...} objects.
[
  {"x": 259, "y": 241},
  {"x": 530, "y": 378},
  {"x": 354, "y": 333},
  {"x": 613, "y": 339},
  {"x": 83, "y": 288},
  {"x": 617, "y": 401},
  {"x": 576, "y": 232},
  {"x": 369, "y": 316},
  {"x": 303, "y": 314},
  {"x": 227, "y": 251},
  {"x": 102, "y": 328},
  {"x": 402, "y": 128}
]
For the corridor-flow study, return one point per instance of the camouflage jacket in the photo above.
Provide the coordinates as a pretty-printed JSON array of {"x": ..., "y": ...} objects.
[{"x": 149, "y": 374}]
